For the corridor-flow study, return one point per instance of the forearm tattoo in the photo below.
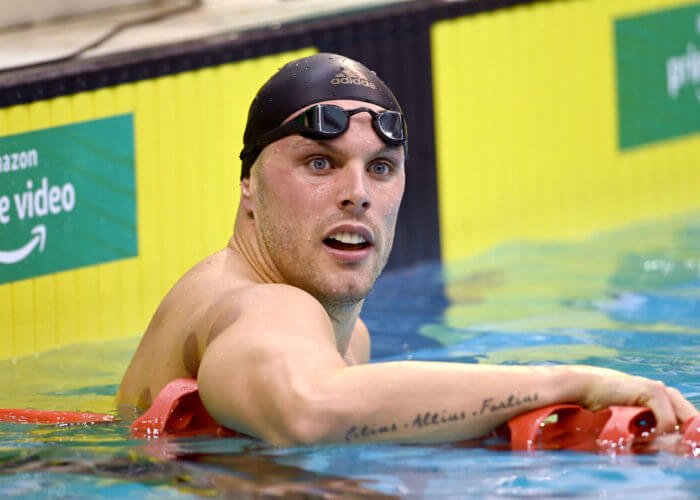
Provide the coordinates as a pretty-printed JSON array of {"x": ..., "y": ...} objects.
[{"x": 438, "y": 418}]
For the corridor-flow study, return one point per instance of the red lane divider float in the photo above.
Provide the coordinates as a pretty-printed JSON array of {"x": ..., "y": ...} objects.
[
  {"x": 620, "y": 429},
  {"x": 691, "y": 435},
  {"x": 572, "y": 427},
  {"x": 178, "y": 411},
  {"x": 20, "y": 416}
]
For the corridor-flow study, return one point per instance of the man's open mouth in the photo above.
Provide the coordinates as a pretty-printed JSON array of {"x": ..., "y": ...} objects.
[{"x": 346, "y": 241}]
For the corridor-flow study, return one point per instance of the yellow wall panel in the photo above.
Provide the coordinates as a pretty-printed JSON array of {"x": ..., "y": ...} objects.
[
  {"x": 147, "y": 195},
  {"x": 188, "y": 132},
  {"x": 526, "y": 129},
  {"x": 166, "y": 167},
  {"x": 7, "y": 330},
  {"x": 127, "y": 278},
  {"x": 207, "y": 159},
  {"x": 22, "y": 293},
  {"x": 7, "y": 344},
  {"x": 108, "y": 295},
  {"x": 61, "y": 113},
  {"x": 86, "y": 278},
  {"x": 44, "y": 299}
]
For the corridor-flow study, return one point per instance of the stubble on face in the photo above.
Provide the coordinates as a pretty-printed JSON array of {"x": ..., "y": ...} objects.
[{"x": 293, "y": 243}]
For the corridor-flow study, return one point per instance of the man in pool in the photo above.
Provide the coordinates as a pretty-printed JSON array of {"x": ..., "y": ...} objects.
[{"x": 269, "y": 326}]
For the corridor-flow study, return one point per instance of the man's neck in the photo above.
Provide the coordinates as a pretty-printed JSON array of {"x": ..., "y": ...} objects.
[
  {"x": 244, "y": 243},
  {"x": 344, "y": 318},
  {"x": 260, "y": 268}
]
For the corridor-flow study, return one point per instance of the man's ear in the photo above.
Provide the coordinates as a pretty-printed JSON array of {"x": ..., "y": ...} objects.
[{"x": 246, "y": 195}]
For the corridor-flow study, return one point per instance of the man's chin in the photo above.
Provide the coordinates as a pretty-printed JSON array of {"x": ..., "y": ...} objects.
[
  {"x": 342, "y": 284},
  {"x": 342, "y": 294}
]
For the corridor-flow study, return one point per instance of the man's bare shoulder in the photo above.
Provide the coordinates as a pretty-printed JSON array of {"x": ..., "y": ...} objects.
[
  {"x": 175, "y": 338},
  {"x": 273, "y": 307},
  {"x": 221, "y": 278},
  {"x": 188, "y": 302},
  {"x": 214, "y": 298},
  {"x": 215, "y": 293}
]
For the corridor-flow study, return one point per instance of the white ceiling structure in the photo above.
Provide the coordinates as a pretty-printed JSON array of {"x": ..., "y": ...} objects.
[{"x": 42, "y": 31}]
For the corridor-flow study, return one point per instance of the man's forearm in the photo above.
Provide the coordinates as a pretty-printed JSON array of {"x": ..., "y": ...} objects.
[
  {"x": 304, "y": 393},
  {"x": 430, "y": 401}
]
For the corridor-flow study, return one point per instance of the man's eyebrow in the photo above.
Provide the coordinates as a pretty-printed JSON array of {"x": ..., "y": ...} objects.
[{"x": 304, "y": 142}]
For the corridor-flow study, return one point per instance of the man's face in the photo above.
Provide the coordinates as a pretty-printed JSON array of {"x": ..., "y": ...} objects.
[{"x": 326, "y": 211}]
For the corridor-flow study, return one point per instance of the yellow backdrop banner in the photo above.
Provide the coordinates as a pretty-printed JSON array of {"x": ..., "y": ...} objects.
[{"x": 527, "y": 132}]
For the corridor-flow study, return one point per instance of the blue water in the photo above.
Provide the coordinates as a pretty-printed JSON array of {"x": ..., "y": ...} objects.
[{"x": 628, "y": 299}]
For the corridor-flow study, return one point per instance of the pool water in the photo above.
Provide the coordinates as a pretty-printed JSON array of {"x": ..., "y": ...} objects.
[{"x": 628, "y": 299}]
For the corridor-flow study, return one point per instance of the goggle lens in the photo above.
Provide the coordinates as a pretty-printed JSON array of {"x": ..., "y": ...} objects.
[
  {"x": 391, "y": 125},
  {"x": 328, "y": 119}
]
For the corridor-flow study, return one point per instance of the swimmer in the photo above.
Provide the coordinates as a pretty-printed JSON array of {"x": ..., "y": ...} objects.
[{"x": 270, "y": 326}]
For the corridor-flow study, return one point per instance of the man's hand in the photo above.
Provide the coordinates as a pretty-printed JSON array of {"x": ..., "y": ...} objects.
[{"x": 609, "y": 387}]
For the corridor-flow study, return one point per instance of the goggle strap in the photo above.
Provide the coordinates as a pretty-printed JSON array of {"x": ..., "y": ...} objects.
[{"x": 291, "y": 127}]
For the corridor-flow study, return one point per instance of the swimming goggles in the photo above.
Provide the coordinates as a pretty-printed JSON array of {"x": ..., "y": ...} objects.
[{"x": 328, "y": 121}]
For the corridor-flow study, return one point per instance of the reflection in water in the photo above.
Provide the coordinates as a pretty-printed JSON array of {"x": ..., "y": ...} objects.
[{"x": 246, "y": 475}]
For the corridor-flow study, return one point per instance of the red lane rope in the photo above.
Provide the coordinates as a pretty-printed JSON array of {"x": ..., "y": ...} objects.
[{"x": 21, "y": 416}]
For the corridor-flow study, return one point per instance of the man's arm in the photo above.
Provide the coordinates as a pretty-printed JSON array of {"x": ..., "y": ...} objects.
[{"x": 275, "y": 373}]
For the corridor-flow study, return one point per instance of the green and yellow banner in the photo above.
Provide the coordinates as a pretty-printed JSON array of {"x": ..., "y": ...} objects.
[
  {"x": 536, "y": 108},
  {"x": 658, "y": 75},
  {"x": 67, "y": 197}
]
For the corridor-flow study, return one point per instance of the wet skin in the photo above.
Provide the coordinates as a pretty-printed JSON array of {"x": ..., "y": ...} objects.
[{"x": 270, "y": 325}]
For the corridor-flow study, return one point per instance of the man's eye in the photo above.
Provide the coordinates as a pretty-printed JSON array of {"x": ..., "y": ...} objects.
[
  {"x": 320, "y": 164},
  {"x": 380, "y": 168}
]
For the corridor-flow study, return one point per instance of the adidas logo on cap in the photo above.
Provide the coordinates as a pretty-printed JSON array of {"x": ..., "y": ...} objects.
[{"x": 349, "y": 77}]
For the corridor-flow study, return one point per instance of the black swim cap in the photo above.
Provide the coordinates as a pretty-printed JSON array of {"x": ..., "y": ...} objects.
[{"x": 306, "y": 81}]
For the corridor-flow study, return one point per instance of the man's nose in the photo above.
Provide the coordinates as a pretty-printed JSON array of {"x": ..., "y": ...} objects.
[{"x": 353, "y": 195}]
